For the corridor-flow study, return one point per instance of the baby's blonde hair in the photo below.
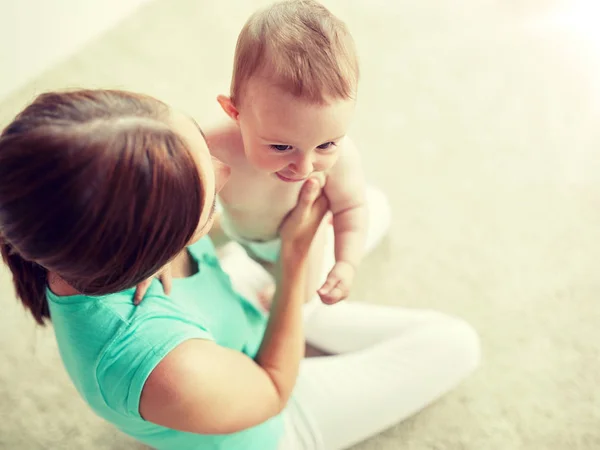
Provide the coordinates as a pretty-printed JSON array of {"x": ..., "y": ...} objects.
[{"x": 301, "y": 47}]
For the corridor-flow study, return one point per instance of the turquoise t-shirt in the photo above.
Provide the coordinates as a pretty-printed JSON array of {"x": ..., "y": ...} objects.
[{"x": 109, "y": 347}]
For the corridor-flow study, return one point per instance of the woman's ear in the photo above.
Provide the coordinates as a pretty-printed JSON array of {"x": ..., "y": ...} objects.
[{"x": 228, "y": 107}]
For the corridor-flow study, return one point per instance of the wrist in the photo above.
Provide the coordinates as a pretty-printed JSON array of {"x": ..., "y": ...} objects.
[
  {"x": 291, "y": 264},
  {"x": 290, "y": 254},
  {"x": 349, "y": 263}
]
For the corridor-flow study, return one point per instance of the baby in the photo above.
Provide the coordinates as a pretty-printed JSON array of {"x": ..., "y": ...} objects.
[{"x": 292, "y": 99}]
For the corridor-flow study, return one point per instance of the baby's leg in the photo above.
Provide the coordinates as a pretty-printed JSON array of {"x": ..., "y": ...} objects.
[
  {"x": 253, "y": 278},
  {"x": 248, "y": 277},
  {"x": 395, "y": 362}
]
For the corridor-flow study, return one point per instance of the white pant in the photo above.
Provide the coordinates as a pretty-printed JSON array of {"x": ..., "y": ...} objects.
[{"x": 389, "y": 362}]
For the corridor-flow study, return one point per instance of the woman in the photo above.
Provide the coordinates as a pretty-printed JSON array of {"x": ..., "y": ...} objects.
[{"x": 99, "y": 190}]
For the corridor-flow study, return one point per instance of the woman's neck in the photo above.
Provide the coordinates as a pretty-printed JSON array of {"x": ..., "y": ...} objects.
[
  {"x": 182, "y": 266},
  {"x": 59, "y": 286}
]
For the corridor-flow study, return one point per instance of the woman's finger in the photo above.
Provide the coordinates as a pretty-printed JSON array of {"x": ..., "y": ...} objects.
[
  {"x": 322, "y": 206},
  {"x": 167, "y": 282},
  {"x": 166, "y": 279},
  {"x": 141, "y": 291},
  {"x": 306, "y": 199},
  {"x": 309, "y": 194}
]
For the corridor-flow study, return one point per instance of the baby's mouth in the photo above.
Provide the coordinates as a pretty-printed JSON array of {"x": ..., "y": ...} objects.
[{"x": 289, "y": 179}]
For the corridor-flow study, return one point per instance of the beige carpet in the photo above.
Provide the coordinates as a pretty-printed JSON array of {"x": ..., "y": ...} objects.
[{"x": 480, "y": 120}]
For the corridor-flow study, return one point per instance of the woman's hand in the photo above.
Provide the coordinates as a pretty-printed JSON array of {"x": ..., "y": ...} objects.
[
  {"x": 166, "y": 278},
  {"x": 302, "y": 222},
  {"x": 185, "y": 394}
]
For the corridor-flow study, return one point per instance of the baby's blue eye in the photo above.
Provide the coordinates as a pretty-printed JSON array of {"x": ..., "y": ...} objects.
[
  {"x": 281, "y": 148},
  {"x": 326, "y": 145}
]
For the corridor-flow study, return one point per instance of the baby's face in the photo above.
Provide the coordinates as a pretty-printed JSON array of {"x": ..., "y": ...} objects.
[{"x": 288, "y": 137}]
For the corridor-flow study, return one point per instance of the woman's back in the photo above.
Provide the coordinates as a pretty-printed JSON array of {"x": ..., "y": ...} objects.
[{"x": 109, "y": 346}]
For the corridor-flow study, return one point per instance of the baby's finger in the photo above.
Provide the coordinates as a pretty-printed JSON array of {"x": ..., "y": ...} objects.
[
  {"x": 335, "y": 296},
  {"x": 325, "y": 298},
  {"x": 328, "y": 285},
  {"x": 330, "y": 296}
]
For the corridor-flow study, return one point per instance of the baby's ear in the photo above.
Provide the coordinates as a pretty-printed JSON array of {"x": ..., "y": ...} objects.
[{"x": 228, "y": 107}]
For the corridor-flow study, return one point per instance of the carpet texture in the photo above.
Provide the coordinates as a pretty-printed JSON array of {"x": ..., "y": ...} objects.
[{"x": 479, "y": 119}]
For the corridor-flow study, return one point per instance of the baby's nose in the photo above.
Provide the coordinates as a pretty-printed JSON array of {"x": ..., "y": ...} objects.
[{"x": 302, "y": 166}]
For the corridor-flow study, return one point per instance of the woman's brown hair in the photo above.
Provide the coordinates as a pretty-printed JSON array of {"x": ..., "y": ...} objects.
[{"x": 95, "y": 186}]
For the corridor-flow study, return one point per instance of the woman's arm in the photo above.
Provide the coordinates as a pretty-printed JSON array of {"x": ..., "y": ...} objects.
[{"x": 201, "y": 387}]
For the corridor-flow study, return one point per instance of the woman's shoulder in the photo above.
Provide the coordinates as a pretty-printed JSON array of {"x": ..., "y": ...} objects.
[
  {"x": 154, "y": 328},
  {"x": 113, "y": 321}
]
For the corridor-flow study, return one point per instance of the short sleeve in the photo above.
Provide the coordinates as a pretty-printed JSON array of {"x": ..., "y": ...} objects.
[{"x": 126, "y": 363}]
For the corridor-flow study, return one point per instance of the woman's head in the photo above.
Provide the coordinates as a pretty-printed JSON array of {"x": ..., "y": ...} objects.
[{"x": 102, "y": 188}]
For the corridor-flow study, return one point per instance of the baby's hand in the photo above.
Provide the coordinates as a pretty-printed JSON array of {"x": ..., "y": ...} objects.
[{"x": 338, "y": 283}]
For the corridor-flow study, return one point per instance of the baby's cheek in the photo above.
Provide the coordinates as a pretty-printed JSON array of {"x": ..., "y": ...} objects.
[
  {"x": 265, "y": 162},
  {"x": 324, "y": 163}
]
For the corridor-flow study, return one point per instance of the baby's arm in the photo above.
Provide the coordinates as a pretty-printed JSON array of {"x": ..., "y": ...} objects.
[{"x": 345, "y": 190}]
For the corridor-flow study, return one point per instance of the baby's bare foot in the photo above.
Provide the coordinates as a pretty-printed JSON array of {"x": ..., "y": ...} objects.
[{"x": 265, "y": 296}]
